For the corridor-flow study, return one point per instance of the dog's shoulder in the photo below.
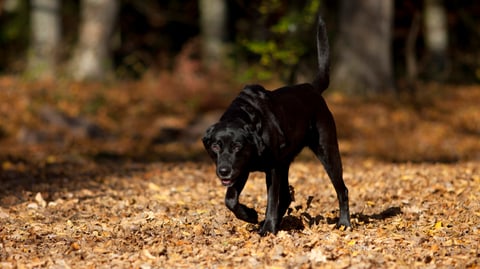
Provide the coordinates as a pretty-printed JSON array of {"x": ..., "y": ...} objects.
[
  {"x": 255, "y": 92},
  {"x": 254, "y": 106},
  {"x": 260, "y": 98},
  {"x": 249, "y": 105},
  {"x": 253, "y": 99}
]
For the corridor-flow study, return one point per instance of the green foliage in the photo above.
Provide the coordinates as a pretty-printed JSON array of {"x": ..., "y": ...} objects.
[
  {"x": 15, "y": 23},
  {"x": 289, "y": 38},
  {"x": 14, "y": 33}
]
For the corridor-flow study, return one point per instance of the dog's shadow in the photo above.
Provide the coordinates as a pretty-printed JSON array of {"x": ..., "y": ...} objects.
[{"x": 298, "y": 222}]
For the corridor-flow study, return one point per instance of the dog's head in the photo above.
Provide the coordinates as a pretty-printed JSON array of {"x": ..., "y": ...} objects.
[{"x": 232, "y": 146}]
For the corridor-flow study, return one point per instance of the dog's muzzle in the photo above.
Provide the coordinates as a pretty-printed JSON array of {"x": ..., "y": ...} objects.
[{"x": 225, "y": 174}]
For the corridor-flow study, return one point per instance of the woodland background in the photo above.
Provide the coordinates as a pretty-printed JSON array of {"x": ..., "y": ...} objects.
[
  {"x": 103, "y": 104},
  {"x": 106, "y": 39}
]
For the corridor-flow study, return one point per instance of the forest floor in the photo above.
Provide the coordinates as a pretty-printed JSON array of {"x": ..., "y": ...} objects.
[{"x": 100, "y": 176}]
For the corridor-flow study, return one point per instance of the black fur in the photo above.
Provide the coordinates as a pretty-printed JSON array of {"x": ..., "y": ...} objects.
[{"x": 264, "y": 130}]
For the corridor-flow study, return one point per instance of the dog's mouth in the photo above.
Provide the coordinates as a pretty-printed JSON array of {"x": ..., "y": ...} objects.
[{"x": 227, "y": 182}]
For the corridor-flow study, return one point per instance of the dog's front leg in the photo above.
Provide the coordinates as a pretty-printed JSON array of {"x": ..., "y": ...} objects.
[
  {"x": 273, "y": 217},
  {"x": 231, "y": 201}
]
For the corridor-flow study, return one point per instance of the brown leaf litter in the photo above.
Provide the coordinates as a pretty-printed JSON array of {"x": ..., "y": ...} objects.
[{"x": 171, "y": 215}]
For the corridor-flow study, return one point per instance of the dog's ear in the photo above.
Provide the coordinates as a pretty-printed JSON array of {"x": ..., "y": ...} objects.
[
  {"x": 207, "y": 138},
  {"x": 255, "y": 138}
]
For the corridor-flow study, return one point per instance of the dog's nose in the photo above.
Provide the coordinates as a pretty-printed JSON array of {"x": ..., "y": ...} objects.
[{"x": 224, "y": 171}]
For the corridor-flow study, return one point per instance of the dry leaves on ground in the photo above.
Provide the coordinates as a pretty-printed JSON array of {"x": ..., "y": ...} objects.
[
  {"x": 171, "y": 215},
  {"x": 73, "y": 198}
]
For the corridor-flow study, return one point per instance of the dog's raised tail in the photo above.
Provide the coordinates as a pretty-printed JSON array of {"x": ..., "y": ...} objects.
[{"x": 322, "y": 79}]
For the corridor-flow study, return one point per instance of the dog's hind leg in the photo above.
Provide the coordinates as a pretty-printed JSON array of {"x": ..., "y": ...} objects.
[
  {"x": 325, "y": 147},
  {"x": 231, "y": 201}
]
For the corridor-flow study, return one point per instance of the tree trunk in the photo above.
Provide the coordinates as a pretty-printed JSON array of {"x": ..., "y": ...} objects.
[
  {"x": 45, "y": 37},
  {"x": 411, "y": 65},
  {"x": 363, "y": 63},
  {"x": 436, "y": 38},
  {"x": 91, "y": 58},
  {"x": 213, "y": 14}
]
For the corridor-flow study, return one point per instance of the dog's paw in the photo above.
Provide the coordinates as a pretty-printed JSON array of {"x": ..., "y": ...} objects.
[
  {"x": 267, "y": 227},
  {"x": 343, "y": 224},
  {"x": 248, "y": 214}
]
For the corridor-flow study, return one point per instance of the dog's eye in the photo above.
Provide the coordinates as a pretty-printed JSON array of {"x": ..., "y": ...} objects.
[
  {"x": 236, "y": 147},
  {"x": 215, "y": 147}
]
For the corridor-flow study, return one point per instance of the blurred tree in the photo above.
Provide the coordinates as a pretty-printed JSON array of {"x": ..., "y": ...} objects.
[
  {"x": 411, "y": 65},
  {"x": 436, "y": 38},
  {"x": 45, "y": 38},
  {"x": 91, "y": 58},
  {"x": 363, "y": 62},
  {"x": 213, "y": 16}
]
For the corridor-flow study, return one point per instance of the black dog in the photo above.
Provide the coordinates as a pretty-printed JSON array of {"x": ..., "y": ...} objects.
[{"x": 264, "y": 131}]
